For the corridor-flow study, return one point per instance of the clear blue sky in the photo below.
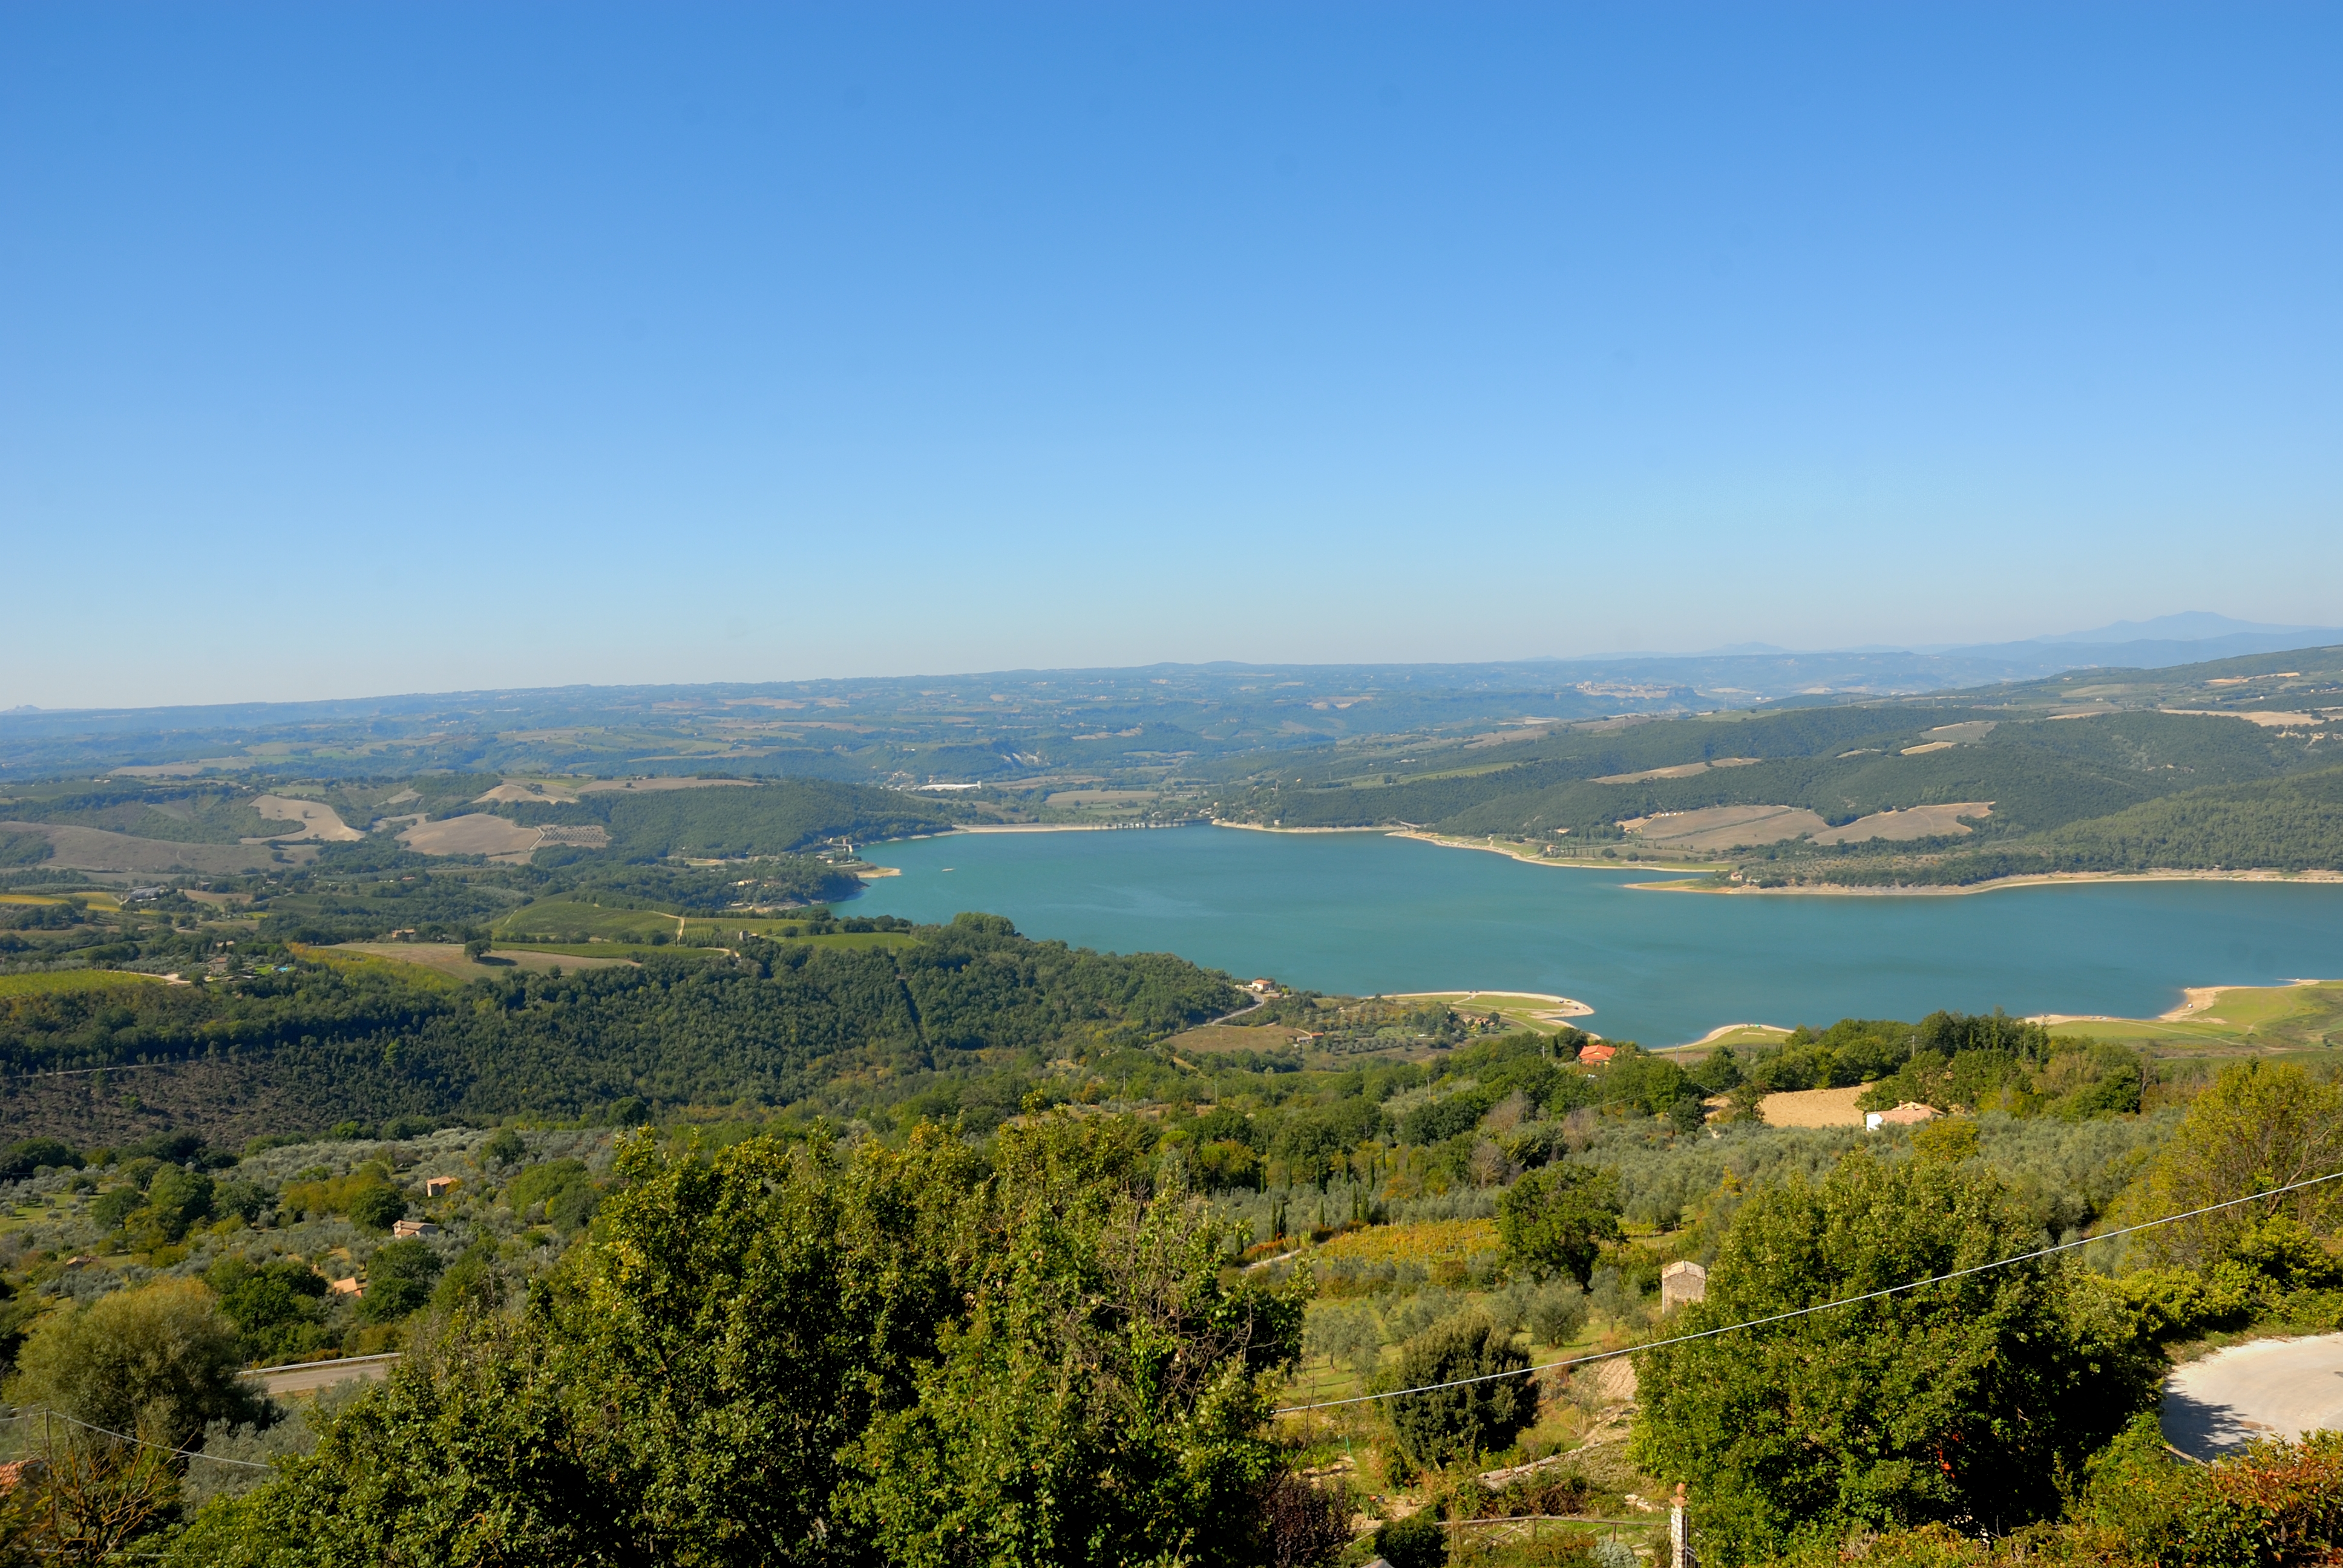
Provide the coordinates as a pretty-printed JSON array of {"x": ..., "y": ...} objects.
[{"x": 363, "y": 348}]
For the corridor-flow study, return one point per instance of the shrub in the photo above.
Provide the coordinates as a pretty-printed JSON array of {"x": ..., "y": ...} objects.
[
  {"x": 1305, "y": 1525},
  {"x": 1557, "y": 1314},
  {"x": 178, "y": 1201},
  {"x": 24, "y": 1158},
  {"x": 1473, "y": 1418},
  {"x": 378, "y": 1208},
  {"x": 158, "y": 1363},
  {"x": 1554, "y": 1220},
  {"x": 1416, "y": 1542},
  {"x": 398, "y": 1281},
  {"x": 276, "y": 1306}
]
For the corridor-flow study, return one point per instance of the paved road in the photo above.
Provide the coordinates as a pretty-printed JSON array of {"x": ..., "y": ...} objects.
[
  {"x": 311, "y": 1376},
  {"x": 2270, "y": 1388}
]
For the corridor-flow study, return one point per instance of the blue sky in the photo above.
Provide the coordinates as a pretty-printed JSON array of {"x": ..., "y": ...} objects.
[{"x": 368, "y": 348}]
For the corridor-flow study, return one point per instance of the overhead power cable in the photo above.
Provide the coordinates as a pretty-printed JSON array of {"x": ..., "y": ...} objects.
[
  {"x": 1818, "y": 1307},
  {"x": 143, "y": 1443}
]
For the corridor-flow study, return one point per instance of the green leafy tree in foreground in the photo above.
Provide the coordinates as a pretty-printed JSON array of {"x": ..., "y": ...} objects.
[
  {"x": 2260, "y": 1126},
  {"x": 1555, "y": 1221},
  {"x": 107, "y": 1391},
  {"x": 157, "y": 1362},
  {"x": 1966, "y": 1404},
  {"x": 783, "y": 1354}
]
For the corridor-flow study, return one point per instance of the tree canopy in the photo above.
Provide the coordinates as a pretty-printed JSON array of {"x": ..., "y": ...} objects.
[{"x": 1964, "y": 1402}]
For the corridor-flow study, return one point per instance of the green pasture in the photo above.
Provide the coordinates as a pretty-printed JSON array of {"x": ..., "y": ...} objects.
[
  {"x": 576, "y": 920},
  {"x": 726, "y": 929},
  {"x": 2263, "y": 1017},
  {"x": 57, "y": 980},
  {"x": 607, "y": 949}
]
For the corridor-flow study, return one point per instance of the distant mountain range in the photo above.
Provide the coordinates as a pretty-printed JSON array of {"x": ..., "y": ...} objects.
[{"x": 1760, "y": 671}]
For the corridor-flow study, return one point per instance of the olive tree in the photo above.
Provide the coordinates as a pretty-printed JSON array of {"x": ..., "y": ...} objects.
[
  {"x": 1964, "y": 1402},
  {"x": 2260, "y": 1126}
]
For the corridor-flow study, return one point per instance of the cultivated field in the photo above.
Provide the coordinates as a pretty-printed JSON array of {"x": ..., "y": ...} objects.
[
  {"x": 476, "y": 834},
  {"x": 318, "y": 820},
  {"x": 1722, "y": 827},
  {"x": 1813, "y": 1108},
  {"x": 97, "y": 849},
  {"x": 448, "y": 959},
  {"x": 1682, "y": 770},
  {"x": 56, "y": 980},
  {"x": 1915, "y": 822}
]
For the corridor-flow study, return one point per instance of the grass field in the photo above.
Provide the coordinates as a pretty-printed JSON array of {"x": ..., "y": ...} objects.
[
  {"x": 1735, "y": 1034},
  {"x": 1530, "y": 1009},
  {"x": 2230, "y": 1020},
  {"x": 571, "y": 923},
  {"x": 577, "y": 920},
  {"x": 107, "y": 901},
  {"x": 70, "y": 980},
  {"x": 449, "y": 961}
]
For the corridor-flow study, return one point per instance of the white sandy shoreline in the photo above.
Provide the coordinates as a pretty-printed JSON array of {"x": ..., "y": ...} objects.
[{"x": 2040, "y": 880}]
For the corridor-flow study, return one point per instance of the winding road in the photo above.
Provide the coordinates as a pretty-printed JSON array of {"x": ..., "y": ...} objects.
[{"x": 2269, "y": 1388}]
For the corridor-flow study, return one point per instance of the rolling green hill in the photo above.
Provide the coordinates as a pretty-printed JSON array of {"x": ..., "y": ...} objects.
[
  {"x": 962, "y": 1017},
  {"x": 2218, "y": 766},
  {"x": 733, "y": 822}
]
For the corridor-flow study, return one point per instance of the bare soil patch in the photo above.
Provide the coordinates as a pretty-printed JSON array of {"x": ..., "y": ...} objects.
[
  {"x": 520, "y": 790},
  {"x": 317, "y": 819},
  {"x": 476, "y": 834},
  {"x": 1963, "y": 734},
  {"x": 1922, "y": 751},
  {"x": 1208, "y": 1037},
  {"x": 1682, "y": 770},
  {"x": 1722, "y": 827},
  {"x": 1813, "y": 1108},
  {"x": 595, "y": 786},
  {"x": 1914, "y": 822}
]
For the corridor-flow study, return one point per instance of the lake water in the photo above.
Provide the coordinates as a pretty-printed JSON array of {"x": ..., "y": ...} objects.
[{"x": 1362, "y": 913}]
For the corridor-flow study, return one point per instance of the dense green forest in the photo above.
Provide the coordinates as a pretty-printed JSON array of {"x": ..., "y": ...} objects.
[
  {"x": 833, "y": 1029},
  {"x": 2115, "y": 791},
  {"x": 735, "y": 822}
]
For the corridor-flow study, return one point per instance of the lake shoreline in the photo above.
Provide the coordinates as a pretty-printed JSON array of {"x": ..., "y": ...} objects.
[
  {"x": 1997, "y": 884},
  {"x": 1357, "y": 914},
  {"x": 1685, "y": 875}
]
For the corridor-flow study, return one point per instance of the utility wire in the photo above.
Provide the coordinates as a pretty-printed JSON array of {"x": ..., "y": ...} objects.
[
  {"x": 144, "y": 1443},
  {"x": 1820, "y": 1307}
]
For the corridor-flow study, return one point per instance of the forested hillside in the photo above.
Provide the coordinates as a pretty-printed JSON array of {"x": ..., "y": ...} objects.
[
  {"x": 734, "y": 822},
  {"x": 961, "y": 1017},
  {"x": 2106, "y": 773}
]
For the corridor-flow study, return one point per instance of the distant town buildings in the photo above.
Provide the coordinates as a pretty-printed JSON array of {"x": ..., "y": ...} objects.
[
  {"x": 405, "y": 1229},
  {"x": 435, "y": 1186},
  {"x": 1598, "y": 1054}
]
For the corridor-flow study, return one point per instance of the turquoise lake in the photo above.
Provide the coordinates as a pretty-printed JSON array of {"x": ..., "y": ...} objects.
[{"x": 1361, "y": 913}]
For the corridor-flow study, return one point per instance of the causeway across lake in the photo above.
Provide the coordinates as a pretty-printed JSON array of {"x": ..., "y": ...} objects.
[{"x": 1363, "y": 913}]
